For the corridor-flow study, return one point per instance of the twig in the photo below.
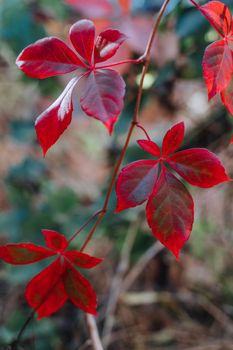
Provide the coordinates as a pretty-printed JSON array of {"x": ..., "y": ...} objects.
[
  {"x": 84, "y": 225},
  {"x": 117, "y": 282},
  {"x": 146, "y": 60},
  {"x": 94, "y": 334},
  {"x": 140, "y": 265}
]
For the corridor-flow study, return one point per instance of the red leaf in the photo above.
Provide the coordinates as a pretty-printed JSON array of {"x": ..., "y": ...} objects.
[
  {"x": 227, "y": 97},
  {"x": 135, "y": 183},
  {"x": 23, "y": 253},
  {"x": 48, "y": 57},
  {"x": 45, "y": 292},
  {"x": 55, "y": 240},
  {"x": 173, "y": 139},
  {"x": 107, "y": 43},
  {"x": 169, "y": 212},
  {"x": 82, "y": 36},
  {"x": 102, "y": 95},
  {"x": 54, "y": 120},
  {"x": 92, "y": 8},
  {"x": 199, "y": 167},
  {"x": 79, "y": 290},
  {"x": 82, "y": 260},
  {"x": 150, "y": 147},
  {"x": 217, "y": 67},
  {"x": 219, "y": 16}
]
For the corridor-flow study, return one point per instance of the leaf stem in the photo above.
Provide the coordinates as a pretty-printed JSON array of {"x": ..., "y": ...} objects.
[
  {"x": 144, "y": 130},
  {"x": 83, "y": 226},
  {"x": 137, "y": 61},
  {"x": 146, "y": 60}
]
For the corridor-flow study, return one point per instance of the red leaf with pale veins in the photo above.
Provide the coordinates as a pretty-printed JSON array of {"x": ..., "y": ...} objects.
[
  {"x": 169, "y": 212},
  {"x": 23, "y": 253},
  {"x": 102, "y": 94},
  {"x": 199, "y": 167},
  {"x": 94, "y": 8},
  {"x": 82, "y": 36},
  {"x": 135, "y": 183},
  {"x": 217, "y": 67},
  {"x": 107, "y": 44},
  {"x": 82, "y": 260},
  {"x": 150, "y": 147},
  {"x": 227, "y": 97},
  {"x": 48, "y": 57},
  {"x": 79, "y": 290},
  {"x": 55, "y": 119},
  {"x": 219, "y": 16},
  {"x": 173, "y": 139},
  {"x": 55, "y": 240},
  {"x": 45, "y": 292}
]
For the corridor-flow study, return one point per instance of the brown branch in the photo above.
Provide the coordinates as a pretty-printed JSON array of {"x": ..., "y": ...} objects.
[
  {"x": 146, "y": 60},
  {"x": 141, "y": 264},
  {"x": 117, "y": 282},
  {"x": 93, "y": 331}
]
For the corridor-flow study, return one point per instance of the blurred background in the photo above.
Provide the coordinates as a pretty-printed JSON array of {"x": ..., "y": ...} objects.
[{"x": 146, "y": 299}]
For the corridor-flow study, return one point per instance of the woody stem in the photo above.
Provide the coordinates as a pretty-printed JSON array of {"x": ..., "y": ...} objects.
[{"x": 146, "y": 60}]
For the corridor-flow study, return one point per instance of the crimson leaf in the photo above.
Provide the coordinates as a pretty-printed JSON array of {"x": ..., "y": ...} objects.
[
  {"x": 102, "y": 96},
  {"x": 217, "y": 67},
  {"x": 135, "y": 183},
  {"x": 48, "y": 291},
  {"x": 199, "y": 167},
  {"x": 219, "y": 16},
  {"x": 169, "y": 212},
  {"x": 173, "y": 139},
  {"x": 48, "y": 57}
]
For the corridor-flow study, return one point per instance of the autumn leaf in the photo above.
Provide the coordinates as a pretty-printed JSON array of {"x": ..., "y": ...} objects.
[{"x": 48, "y": 291}]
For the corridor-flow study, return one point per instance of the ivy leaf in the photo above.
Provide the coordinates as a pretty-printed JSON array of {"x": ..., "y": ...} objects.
[
  {"x": 173, "y": 139},
  {"x": 219, "y": 16},
  {"x": 150, "y": 147},
  {"x": 135, "y": 183},
  {"x": 79, "y": 290},
  {"x": 102, "y": 96},
  {"x": 107, "y": 44},
  {"x": 169, "y": 209},
  {"x": 217, "y": 67},
  {"x": 45, "y": 292},
  {"x": 51, "y": 124},
  {"x": 48, "y": 57},
  {"x": 199, "y": 167},
  {"x": 82, "y": 36},
  {"x": 23, "y": 253},
  {"x": 102, "y": 89},
  {"x": 48, "y": 291},
  {"x": 170, "y": 212}
]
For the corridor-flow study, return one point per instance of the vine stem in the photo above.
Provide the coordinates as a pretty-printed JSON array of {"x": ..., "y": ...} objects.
[{"x": 145, "y": 58}]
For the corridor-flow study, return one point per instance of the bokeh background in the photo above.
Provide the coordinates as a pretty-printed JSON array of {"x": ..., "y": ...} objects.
[{"x": 146, "y": 299}]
